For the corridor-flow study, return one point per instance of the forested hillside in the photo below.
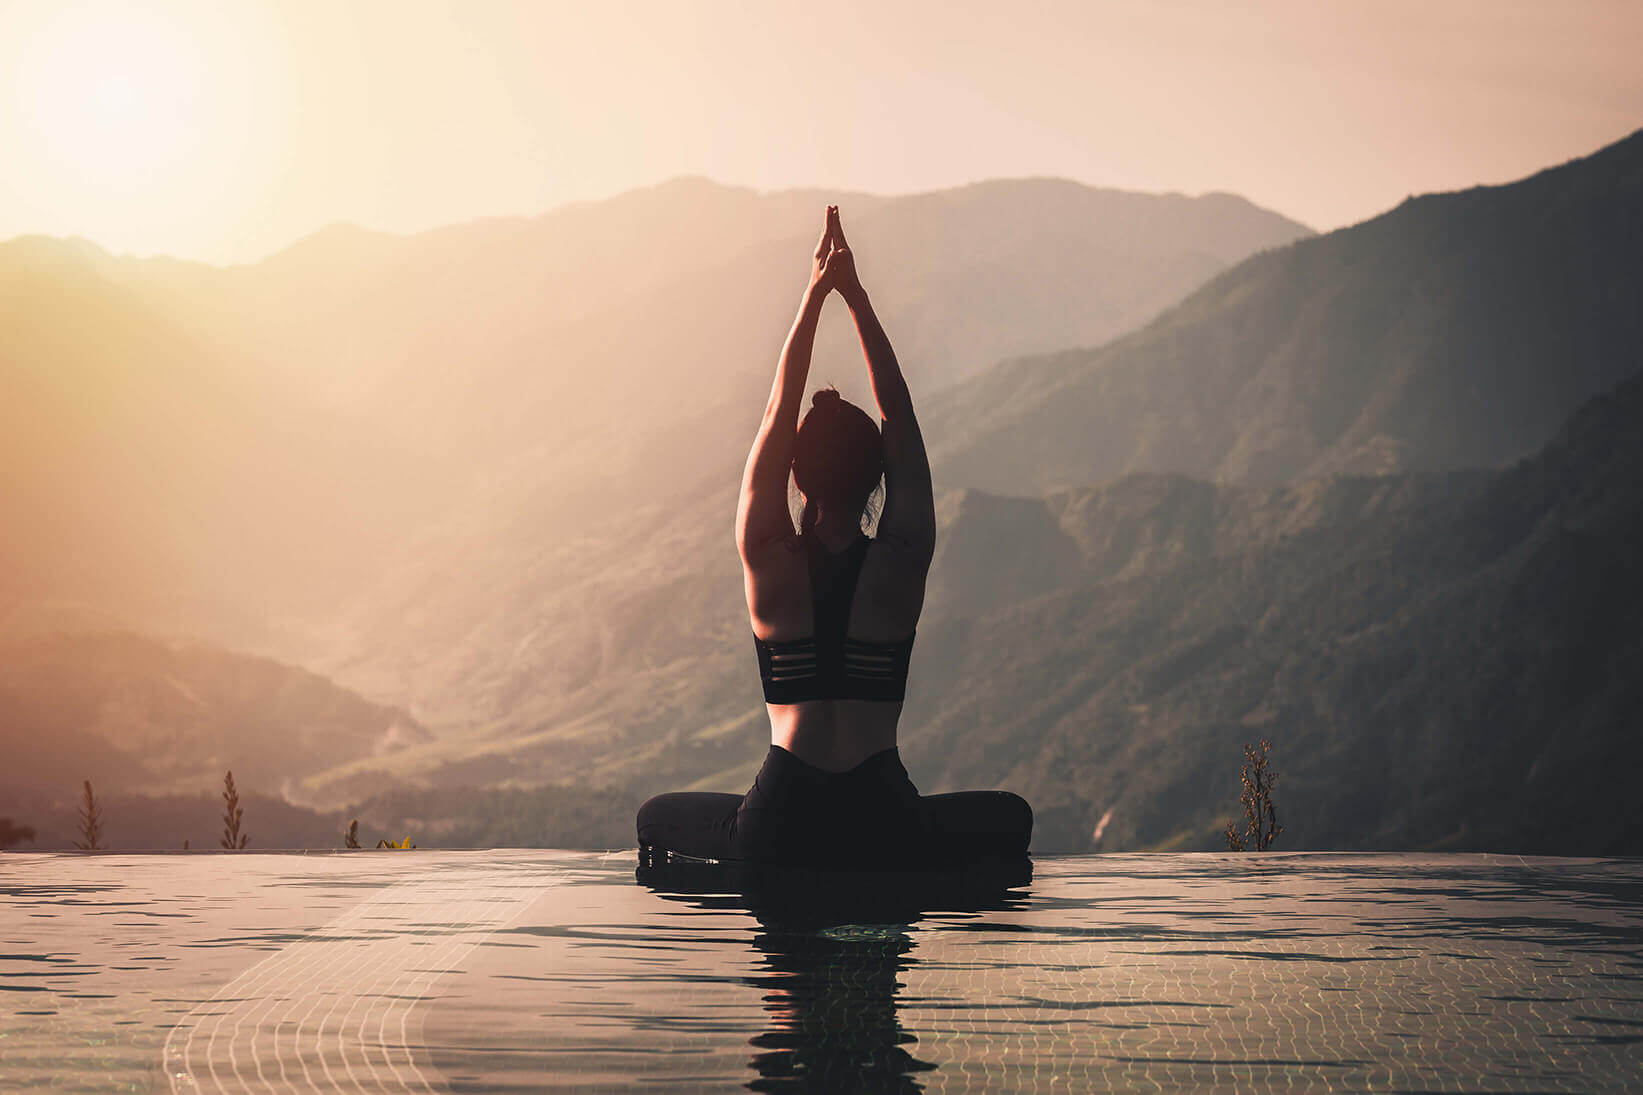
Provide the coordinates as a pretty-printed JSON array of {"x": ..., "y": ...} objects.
[
  {"x": 137, "y": 714},
  {"x": 1457, "y": 330},
  {"x": 1458, "y": 673}
]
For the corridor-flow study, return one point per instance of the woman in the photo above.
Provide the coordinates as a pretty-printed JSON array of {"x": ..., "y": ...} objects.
[{"x": 833, "y": 616}]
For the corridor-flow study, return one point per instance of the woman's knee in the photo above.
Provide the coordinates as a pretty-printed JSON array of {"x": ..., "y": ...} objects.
[
  {"x": 684, "y": 815},
  {"x": 981, "y": 812},
  {"x": 657, "y": 812},
  {"x": 1015, "y": 813}
]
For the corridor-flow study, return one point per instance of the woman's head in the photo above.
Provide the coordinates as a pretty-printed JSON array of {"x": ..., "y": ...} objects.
[{"x": 838, "y": 457}]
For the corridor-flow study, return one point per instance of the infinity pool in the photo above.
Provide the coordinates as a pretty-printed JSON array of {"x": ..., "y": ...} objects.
[{"x": 460, "y": 971}]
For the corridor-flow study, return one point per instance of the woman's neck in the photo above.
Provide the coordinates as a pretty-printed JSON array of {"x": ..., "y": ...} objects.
[{"x": 837, "y": 533}]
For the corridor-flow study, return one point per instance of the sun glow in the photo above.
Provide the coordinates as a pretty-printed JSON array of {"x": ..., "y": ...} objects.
[
  {"x": 120, "y": 98},
  {"x": 143, "y": 112},
  {"x": 228, "y": 129}
]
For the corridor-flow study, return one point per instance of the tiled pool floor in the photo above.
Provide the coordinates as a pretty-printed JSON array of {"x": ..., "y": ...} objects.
[{"x": 436, "y": 971}]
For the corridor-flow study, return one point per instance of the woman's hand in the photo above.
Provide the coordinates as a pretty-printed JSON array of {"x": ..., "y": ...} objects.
[
  {"x": 822, "y": 270},
  {"x": 841, "y": 265},
  {"x": 835, "y": 264}
]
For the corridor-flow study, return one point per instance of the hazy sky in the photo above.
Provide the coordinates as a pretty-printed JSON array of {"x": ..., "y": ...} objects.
[{"x": 223, "y": 130}]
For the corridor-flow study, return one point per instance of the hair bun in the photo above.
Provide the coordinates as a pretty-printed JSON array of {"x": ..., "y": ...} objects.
[{"x": 826, "y": 397}]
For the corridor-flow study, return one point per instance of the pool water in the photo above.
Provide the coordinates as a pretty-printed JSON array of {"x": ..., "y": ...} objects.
[{"x": 458, "y": 971}]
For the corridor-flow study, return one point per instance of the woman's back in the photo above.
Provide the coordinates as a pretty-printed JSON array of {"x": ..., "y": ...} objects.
[{"x": 834, "y": 658}]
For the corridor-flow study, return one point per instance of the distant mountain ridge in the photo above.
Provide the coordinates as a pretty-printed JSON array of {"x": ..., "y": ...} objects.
[
  {"x": 1457, "y": 330},
  {"x": 313, "y": 416},
  {"x": 512, "y": 517},
  {"x": 1447, "y": 663},
  {"x": 137, "y": 714},
  {"x": 996, "y": 551}
]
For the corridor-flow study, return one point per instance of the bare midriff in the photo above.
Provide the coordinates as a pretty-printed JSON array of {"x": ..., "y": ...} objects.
[{"x": 834, "y": 735}]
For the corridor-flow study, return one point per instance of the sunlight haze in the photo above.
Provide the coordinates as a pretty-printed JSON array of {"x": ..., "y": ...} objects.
[{"x": 225, "y": 132}]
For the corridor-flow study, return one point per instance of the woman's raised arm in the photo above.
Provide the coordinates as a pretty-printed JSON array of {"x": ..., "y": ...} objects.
[
  {"x": 762, "y": 517},
  {"x": 908, "y": 522}
]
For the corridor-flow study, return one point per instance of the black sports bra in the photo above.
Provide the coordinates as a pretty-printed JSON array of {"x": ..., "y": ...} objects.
[{"x": 830, "y": 665}]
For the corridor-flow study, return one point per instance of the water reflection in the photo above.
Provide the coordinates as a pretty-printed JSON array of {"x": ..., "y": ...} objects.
[
  {"x": 831, "y": 999},
  {"x": 832, "y": 950}
]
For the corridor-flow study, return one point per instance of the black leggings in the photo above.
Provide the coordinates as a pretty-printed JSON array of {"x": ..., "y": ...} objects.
[{"x": 871, "y": 815}]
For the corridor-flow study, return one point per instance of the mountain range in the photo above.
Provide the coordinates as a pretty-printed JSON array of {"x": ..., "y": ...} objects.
[
  {"x": 1441, "y": 661},
  {"x": 230, "y": 453},
  {"x": 1457, "y": 330},
  {"x": 1331, "y": 495},
  {"x": 132, "y": 712},
  {"x": 629, "y": 663}
]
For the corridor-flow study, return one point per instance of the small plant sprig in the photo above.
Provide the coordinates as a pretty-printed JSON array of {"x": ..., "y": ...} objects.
[
  {"x": 1261, "y": 826},
  {"x": 91, "y": 821},
  {"x": 232, "y": 838},
  {"x": 350, "y": 839}
]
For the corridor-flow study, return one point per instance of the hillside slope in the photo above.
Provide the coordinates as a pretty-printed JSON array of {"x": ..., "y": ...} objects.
[
  {"x": 135, "y": 714},
  {"x": 1460, "y": 674},
  {"x": 1457, "y": 330}
]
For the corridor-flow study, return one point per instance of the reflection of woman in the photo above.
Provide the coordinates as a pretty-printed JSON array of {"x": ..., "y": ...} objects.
[
  {"x": 833, "y": 616},
  {"x": 831, "y": 998},
  {"x": 832, "y": 949}
]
